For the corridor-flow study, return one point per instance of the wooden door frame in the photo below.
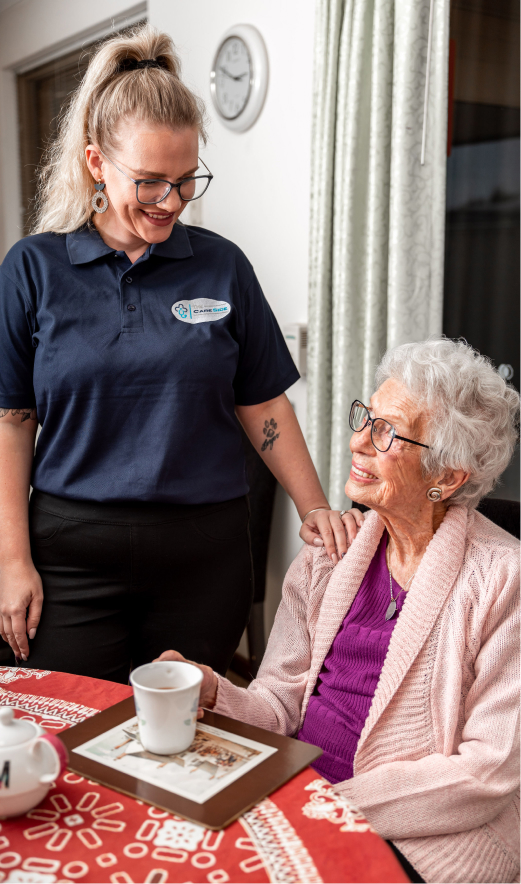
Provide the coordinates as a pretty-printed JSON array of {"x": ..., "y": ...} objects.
[{"x": 11, "y": 220}]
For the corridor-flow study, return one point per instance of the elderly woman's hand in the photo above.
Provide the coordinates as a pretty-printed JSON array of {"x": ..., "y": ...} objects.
[
  {"x": 208, "y": 692},
  {"x": 327, "y": 528}
]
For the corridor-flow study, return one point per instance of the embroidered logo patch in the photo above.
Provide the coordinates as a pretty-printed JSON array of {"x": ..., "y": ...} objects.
[{"x": 200, "y": 310}]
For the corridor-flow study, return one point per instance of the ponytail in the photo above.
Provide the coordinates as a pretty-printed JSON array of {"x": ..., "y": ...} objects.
[{"x": 136, "y": 76}]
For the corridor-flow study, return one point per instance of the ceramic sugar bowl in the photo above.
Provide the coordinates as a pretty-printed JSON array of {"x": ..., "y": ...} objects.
[{"x": 30, "y": 760}]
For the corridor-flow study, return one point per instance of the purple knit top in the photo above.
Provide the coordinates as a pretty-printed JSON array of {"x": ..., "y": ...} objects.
[{"x": 345, "y": 689}]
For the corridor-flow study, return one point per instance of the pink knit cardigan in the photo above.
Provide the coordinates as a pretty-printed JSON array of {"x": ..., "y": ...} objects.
[{"x": 437, "y": 766}]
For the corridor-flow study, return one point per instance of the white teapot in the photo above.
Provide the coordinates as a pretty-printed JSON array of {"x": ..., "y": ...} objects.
[{"x": 30, "y": 760}]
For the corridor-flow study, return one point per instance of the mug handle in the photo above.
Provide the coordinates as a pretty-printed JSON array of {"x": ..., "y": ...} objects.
[{"x": 50, "y": 744}]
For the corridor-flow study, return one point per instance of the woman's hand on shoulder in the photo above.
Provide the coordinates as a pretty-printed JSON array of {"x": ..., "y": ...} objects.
[
  {"x": 208, "y": 693},
  {"x": 334, "y": 532}
]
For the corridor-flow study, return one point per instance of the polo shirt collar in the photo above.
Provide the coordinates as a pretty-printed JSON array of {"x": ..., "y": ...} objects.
[
  {"x": 176, "y": 246},
  {"x": 85, "y": 245}
]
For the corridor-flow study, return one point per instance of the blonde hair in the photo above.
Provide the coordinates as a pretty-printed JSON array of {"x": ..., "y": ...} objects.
[{"x": 109, "y": 92}]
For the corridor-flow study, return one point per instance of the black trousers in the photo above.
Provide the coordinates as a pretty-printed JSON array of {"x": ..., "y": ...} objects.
[{"x": 124, "y": 582}]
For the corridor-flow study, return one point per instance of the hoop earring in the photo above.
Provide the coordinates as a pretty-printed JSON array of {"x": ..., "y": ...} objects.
[
  {"x": 434, "y": 494},
  {"x": 98, "y": 206}
]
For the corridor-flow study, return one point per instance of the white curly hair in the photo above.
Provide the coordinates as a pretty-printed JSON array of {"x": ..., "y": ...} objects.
[{"x": 473, "y": 414}]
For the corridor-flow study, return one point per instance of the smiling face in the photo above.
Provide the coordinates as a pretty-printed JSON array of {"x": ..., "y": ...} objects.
[
  {"x": 143, "y": 150},
  {"x": 390, "y": 482}
]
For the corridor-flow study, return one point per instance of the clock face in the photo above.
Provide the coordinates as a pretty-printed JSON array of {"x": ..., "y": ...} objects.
[{"x": 233, "y": 75}]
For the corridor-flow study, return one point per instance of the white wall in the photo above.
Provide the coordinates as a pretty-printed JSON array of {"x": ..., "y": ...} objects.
[
  {"x": 260, "y": 194},
  {"x": 259, "y": 197}
]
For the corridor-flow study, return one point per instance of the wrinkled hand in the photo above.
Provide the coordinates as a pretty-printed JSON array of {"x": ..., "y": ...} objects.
[
  {"x": 326, "y": 528},
  {"x": 21, "y": 600},
  {"x": 208, "y": 685}
]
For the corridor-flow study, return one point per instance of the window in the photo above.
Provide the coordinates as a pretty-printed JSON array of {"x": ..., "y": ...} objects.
[{"x": 481, "y": 298}]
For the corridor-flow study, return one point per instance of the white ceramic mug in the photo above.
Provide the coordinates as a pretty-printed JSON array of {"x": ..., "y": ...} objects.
[{"x": 166, "y": 695}]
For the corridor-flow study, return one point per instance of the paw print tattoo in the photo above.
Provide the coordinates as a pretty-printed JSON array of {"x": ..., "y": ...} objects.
[{"x": 269, "y": 431}]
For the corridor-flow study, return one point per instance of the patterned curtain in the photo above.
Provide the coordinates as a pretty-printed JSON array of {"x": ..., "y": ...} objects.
[{"x": 377, "y": 204}]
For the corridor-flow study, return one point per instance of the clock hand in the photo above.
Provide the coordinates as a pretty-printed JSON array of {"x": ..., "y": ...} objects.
[{"x": 227, "y": 74}]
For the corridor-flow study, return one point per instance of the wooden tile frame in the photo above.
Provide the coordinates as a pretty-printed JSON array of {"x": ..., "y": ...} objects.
[{"x": 291, "y": 757}]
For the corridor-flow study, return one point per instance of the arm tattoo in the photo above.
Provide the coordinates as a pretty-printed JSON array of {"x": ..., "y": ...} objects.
[
  {"x": 26, "y": 413},
  {"x": 269, "y": 431}
]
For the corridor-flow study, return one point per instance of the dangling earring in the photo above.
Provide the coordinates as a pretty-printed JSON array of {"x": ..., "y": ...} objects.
[
  {"x": 99, "y": 201},
  {"x": 434, "y": 494}
]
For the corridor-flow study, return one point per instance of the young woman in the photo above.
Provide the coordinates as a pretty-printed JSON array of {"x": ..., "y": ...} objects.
[{"x": 136, "y": 343}]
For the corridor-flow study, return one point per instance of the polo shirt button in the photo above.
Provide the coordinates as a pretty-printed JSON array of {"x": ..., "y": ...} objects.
[
  {"x": 131, "y": 307},
  {"x": 128, "y": 279}
]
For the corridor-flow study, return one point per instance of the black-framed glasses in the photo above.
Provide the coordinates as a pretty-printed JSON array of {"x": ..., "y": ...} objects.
[
  {"x": 150, "y": 191},
  {"x": 383, "y": 433}
]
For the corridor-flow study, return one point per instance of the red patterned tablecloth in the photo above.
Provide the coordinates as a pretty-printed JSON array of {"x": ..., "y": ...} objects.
[{"x": 87, "y": 833}]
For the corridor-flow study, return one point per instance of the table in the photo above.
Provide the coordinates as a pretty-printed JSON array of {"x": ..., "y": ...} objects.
[{"x": 88, "y": 833}]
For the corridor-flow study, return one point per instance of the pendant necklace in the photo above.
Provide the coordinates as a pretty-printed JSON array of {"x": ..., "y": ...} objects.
[{"x": 391, "y": 610}]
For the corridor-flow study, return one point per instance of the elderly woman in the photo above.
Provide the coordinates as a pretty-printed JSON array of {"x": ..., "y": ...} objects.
[{"x": 401, "y": 662}]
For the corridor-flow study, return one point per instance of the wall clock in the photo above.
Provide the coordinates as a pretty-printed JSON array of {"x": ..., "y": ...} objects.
[{"x": 239, "y": 77}]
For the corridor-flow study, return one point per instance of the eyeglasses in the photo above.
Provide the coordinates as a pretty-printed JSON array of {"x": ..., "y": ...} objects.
[
  {"x": 383, "y": 433},
  {"x": 150, "y": 191}
]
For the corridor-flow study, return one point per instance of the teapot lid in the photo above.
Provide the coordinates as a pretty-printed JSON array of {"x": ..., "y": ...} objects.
[{"x": 14, "y": 731}]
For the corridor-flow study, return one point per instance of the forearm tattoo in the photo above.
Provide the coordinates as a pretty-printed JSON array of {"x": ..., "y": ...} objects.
[
  {"x": 25, "y": 413},
  {"x": 269, "y": 431}
]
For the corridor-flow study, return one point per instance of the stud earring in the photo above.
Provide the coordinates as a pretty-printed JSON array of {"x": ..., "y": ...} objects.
[
  {"x": 434, "y": 494},
  {"x": 99, "y": 201}
]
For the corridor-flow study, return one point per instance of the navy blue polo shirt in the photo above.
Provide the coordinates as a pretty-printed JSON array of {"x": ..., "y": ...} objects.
[{"x": 135, "y": 369}]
